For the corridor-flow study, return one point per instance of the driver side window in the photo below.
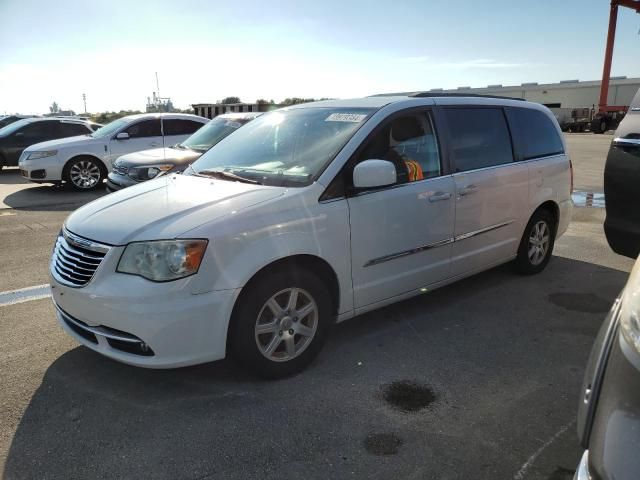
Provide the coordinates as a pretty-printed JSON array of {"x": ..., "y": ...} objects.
[
  {"x": 146, "y": 128},
  {"x": 409, "y": 142}
]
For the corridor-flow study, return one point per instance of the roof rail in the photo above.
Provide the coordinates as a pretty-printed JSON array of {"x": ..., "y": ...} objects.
[{"x": 458, "y": 94}]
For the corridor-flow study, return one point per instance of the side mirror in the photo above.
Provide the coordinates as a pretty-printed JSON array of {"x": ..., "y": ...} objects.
[
  {"x": 374, "y": 173},
  {"x": 122, "y": 136}
]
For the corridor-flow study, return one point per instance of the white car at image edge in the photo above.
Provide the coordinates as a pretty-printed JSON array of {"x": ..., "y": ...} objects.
[
  {"x": 307, "y": 216},
  {"x": 83, "y": 162}
]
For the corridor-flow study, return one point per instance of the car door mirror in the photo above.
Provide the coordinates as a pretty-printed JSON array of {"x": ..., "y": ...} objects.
[
  {"x": 122, "y": 136},
  {"x": 374, "y": 173}
]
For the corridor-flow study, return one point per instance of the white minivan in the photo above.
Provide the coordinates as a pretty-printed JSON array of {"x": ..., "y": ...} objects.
[
  {"x": 306, "y": 216},
  {"x": 84, "y": 161}
]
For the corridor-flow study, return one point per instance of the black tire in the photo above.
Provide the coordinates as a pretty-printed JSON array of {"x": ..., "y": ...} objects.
[
  {"x": 243, "y": 340},
  {"x": 525, "y": 263},
  {"x": 94, "y": 166}
]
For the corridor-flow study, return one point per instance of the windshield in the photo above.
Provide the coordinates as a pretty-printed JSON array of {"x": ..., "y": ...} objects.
[
  {"x": 110, "y": 128},
  {"x": 12, "y": 127},
  {"x": 214, "y": 131},
  {"x": 286, "y": 147}
]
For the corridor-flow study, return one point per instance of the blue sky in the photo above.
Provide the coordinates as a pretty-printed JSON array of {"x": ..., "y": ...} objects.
[{"x": 206, "y": 50}]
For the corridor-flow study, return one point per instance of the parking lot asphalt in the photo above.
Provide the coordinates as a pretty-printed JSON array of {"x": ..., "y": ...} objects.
[{"x": 478, "y": 380}]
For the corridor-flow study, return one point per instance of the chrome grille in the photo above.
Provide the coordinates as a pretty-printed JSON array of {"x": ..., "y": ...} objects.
[{"x": 75, "y": 259}]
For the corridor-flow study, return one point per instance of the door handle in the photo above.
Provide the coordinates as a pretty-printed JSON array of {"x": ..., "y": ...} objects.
[
  {"x": 468, "y": 190},
  {"x": 439, "y": 196}
]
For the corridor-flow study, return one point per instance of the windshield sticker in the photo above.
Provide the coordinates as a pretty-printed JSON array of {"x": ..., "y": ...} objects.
[{"x": 345, "y": 117}]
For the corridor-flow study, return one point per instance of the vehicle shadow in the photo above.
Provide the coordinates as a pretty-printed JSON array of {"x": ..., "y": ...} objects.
[
  {"x": 503, "y": 353},
  {"x": 22, "y": 194}
]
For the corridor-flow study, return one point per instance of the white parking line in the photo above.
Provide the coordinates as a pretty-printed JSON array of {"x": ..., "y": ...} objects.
[{"x": 22, "y": 295}]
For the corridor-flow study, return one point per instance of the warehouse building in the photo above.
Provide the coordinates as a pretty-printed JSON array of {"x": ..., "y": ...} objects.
[
  {"x": 566, "y": 94},
  {"x": 211, "y": 110}
]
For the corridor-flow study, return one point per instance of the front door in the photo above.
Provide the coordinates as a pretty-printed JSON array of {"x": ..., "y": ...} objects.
[
  {"x": 143, "y": 135},
  {"x": 491, "y": 189},
  {"x": 401, "y": 235}
]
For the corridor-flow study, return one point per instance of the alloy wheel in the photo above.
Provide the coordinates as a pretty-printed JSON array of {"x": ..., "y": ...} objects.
[
  {"x": 539, "y": 242},
  {"x": 85, "y": 174},
  {"x": 286, "y": 324}
]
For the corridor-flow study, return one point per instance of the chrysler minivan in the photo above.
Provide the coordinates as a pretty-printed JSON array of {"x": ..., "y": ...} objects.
[{"x": 311, "y": 215}]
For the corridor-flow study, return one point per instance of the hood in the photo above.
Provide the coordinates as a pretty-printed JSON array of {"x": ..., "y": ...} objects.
[
  {"x": 175, "y": 156},
  {"x": 65, "y": 142},
  {"x": 164, "y": 208}
]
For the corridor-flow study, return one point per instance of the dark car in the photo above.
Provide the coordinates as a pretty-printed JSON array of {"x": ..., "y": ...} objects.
[
  {"x": 609, "y": 408},
  {"x": 9, "y": 119},
  {"x": 17, "y": 136},
  {"x": 141, "y": 166},
  {"x": 621, "y": 185}
]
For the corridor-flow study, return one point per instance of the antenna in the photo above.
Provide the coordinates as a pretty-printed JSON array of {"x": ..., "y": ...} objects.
[{"x": 157, "y": 85}]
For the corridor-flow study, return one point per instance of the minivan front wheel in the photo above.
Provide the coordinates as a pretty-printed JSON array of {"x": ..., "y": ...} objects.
[
  {"x": 280, "y": 323},
  {"x": 537, "y": 243}
]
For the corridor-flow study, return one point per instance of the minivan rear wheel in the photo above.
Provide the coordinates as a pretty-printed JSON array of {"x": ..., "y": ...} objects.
[
  {"x": 536, "y": 245},
  {"x": 280, "y": 323}
]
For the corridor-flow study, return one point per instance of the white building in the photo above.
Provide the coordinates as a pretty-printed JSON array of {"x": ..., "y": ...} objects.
[{"x": 566, "y": 94}]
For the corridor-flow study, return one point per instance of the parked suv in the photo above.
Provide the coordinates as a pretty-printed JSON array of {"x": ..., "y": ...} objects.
[
  {"x": 609, "y": 408},
  {"x": 84, "y": 162},
  {"x": 17, "y": 136},
  {"x": 306, "y": 216},
  {"x": 621, "y": 180},
  {"x": 141, "y": 166}
]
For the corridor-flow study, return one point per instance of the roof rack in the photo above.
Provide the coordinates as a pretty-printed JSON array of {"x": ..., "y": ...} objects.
[{"x": 459, "y": 94}]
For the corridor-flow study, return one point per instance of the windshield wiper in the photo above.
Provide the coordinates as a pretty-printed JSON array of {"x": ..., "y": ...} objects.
[{"x": 226, "y": 176}]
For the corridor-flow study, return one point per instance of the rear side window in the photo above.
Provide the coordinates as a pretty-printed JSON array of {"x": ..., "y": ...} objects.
[
  {"x": 479, "y": 137},
  {"x": 72, "y": 129},
  {"x": 180, "y": 127},
  {"x": 534, "y": 133},
  {"x": 146, "y": 128}
]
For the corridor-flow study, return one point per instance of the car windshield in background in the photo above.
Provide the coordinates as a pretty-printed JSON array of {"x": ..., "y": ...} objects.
[
  {"x": 214, "y": 131},
  {"x": 286, "y": 147},
  {"x": 12, "y": 127},
  {"x": 110, "y": 128}
]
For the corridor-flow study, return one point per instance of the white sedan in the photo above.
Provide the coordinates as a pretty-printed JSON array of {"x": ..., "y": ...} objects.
[{"x": 84, "y": 161}]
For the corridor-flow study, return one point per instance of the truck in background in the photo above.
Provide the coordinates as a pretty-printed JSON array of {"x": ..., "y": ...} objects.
[{"x": 573, "y": 119}]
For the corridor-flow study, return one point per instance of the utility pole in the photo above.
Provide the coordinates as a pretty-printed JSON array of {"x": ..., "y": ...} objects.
[
  {"x": 157, "y": 85},
  {"x": 84, "y": 100}
]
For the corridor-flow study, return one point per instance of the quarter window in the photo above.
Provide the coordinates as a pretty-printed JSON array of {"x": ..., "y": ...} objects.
[
  {"x": 479, "y": 137},
  {"x": 410, "y": 144},
  {"x": 534, "y": 133},
  {"x": 180, "y": 127},
  {"x": 146, "y": 128}
]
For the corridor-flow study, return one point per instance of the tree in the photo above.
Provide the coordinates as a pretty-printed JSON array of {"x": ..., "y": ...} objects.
[
  {"x": 296, "y": 100},
  {"x": 54, "y": 108},
  {"x": 262, "y": 101},
  {"x": 228, "y": 100}
]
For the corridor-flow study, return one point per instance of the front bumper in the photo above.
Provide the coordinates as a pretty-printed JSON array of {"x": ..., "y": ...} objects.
[
  {"x": 116, "y": 181},
  {"x": 46, "y": 169},
  {"x": 179, "y": 328},
  {"x": 582, "y": 472}
]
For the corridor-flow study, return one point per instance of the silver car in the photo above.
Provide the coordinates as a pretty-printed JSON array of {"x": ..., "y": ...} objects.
[{"x": 137, "y": 167}]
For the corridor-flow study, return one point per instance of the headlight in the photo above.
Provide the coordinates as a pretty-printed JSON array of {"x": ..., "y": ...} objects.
[
  {"x": 147, "y": 173},
  {"x": 37, "y": 155},
  {"x": 630, "y": 309},
  {"x": 162, "y": 260}
]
